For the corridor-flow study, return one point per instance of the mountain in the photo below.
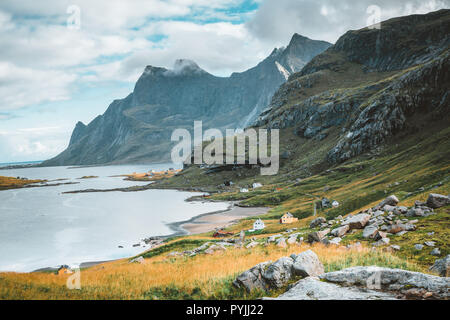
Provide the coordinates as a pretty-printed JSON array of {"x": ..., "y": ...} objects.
[
  {"x": 372, "y": 108},
  {"x": 138, "y": 127},
  {"x": 369, "y": 87}
]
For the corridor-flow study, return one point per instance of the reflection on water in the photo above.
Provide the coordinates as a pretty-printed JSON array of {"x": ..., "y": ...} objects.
[{"x": 41, "y": 227}]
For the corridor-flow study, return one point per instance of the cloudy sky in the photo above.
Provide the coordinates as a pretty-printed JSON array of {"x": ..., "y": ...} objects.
[{"x": 64, "y": 61}]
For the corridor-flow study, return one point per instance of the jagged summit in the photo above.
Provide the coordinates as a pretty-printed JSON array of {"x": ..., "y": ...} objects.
[
  {"x": 186, "y": 66},
  {"x": 181, "y": 67},
  {"x": 138, "y": 128}
]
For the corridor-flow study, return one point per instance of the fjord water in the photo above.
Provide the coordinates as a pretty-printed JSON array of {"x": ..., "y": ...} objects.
[{"x": 41, "y": 227}]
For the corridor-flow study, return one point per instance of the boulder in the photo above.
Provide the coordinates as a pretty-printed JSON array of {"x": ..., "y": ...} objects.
[
  {"x": 252, "y": 279},
  {"x": 357, "y": 222},
  {"x": 430, "y": 243},
  {"x": 311, "y": 288},
  {"x": 377, "y": 213},
  {"x": 382, "y": 242},
  {"x": 415, "y": 212},
  {"x": 437, "y": 200},
  {"x": 278, "y": 273},
  {"x": 292, "y": 240},
  {"x": 435, "y": 252},
  {"x": 307, "y": 264},
  {"x": 389, "y": 208},
  {"x": 395, "y": 247},
  {"x": 339, "y": 232},
  {"x": 394, "y": 280},
  {"x": 139, "y": 259},
  {"x": 317, "y": 236},
  {"x": 317, "y": 222},
  {"x": 418, "y": 247},
  {"x": 396, "y": 228},
  {"x": 442, "y": 267},
  {"x": 391, "y": 200},
  {"x": 400, "y": 210},
  {"x": 370, "y": 231}
]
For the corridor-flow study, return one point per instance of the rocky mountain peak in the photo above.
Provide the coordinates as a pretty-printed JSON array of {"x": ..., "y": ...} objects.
[
  {"x": 78, "y": 132},
  {"x": 138, "y": 127},
  {"x": 186, "y": 67}
]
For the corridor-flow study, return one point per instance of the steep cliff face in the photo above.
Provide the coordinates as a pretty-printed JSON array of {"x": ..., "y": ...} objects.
[
  {"x": 369, "y": 86},
  {"x": 138, "y": 128}
]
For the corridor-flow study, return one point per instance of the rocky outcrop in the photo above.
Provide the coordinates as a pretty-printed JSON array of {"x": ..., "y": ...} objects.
[
  {"x": 369, "y": 283},
  {"x": 307, "y": 264},
  {"x": 138, "y": 128},
  {"x": 394, "y": 280},
  {"x": 378, "y": 223},
  {"x": 268, "y": 275},
  {"x": 312, "y": 288}
]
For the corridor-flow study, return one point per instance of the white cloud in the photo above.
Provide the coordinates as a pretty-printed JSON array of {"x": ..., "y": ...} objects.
[
  {"x": 24, "y": 86},
  {"x": 32, "y": 144},
  {"x": 327, "y": 20},
  {"x": 42, "y": 60}
]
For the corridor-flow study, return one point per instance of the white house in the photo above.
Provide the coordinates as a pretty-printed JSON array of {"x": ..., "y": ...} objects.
[
  {"x": 335, "y": 204},
  {"x": 258, "y": 225},
  {"x": 257, "y": 185},
  {"x": 244, "y": 190}
]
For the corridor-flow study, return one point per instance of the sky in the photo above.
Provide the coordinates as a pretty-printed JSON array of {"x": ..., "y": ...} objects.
[{"x": 64, "y": 61}]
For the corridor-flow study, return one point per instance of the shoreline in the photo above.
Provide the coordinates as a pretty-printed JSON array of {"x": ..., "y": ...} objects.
[
  {"x": 198, "y": 224},
  {"x": 216, "y": 220}
]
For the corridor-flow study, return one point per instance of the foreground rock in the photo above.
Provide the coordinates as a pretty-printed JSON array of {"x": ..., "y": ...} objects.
[
  {"x": 268, "y": 275},
  {"x": 393, "y": 280},
  {"x": 307, "y": 264},
  {"x": 369, "y": 283},
  {"x": 311, "y": 288}
]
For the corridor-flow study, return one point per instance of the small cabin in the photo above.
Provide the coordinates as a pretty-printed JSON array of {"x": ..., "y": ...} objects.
[
  {"x": 258, "y": 225},
  {"x": 257, "y": 185},
  {"x": 288, "y": 218}
]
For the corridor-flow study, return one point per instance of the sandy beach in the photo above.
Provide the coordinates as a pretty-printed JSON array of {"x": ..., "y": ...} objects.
[{"x": 211, "y": 221}]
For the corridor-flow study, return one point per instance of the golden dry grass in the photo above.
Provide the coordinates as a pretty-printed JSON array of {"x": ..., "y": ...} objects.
[
  {"x": 13, "y": 183},
  {"x": 123, "y": 280}
]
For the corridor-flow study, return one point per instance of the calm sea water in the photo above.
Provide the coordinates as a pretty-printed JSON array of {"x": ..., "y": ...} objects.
[{"x": 41, "y": 227}]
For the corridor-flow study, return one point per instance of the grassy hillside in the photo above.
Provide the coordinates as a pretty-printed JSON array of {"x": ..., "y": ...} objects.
[
  {"x": 161, "y": 277},
  {"x": 411, "y": 170}
]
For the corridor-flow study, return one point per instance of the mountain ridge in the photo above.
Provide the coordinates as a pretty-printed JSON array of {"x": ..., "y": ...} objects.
[{"x": 138, "y": 127}]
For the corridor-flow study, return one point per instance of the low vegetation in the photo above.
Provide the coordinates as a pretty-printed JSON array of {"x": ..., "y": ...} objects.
[
  {"x": 14, "y": 183},
  {"x": 199, "y": 277}
]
